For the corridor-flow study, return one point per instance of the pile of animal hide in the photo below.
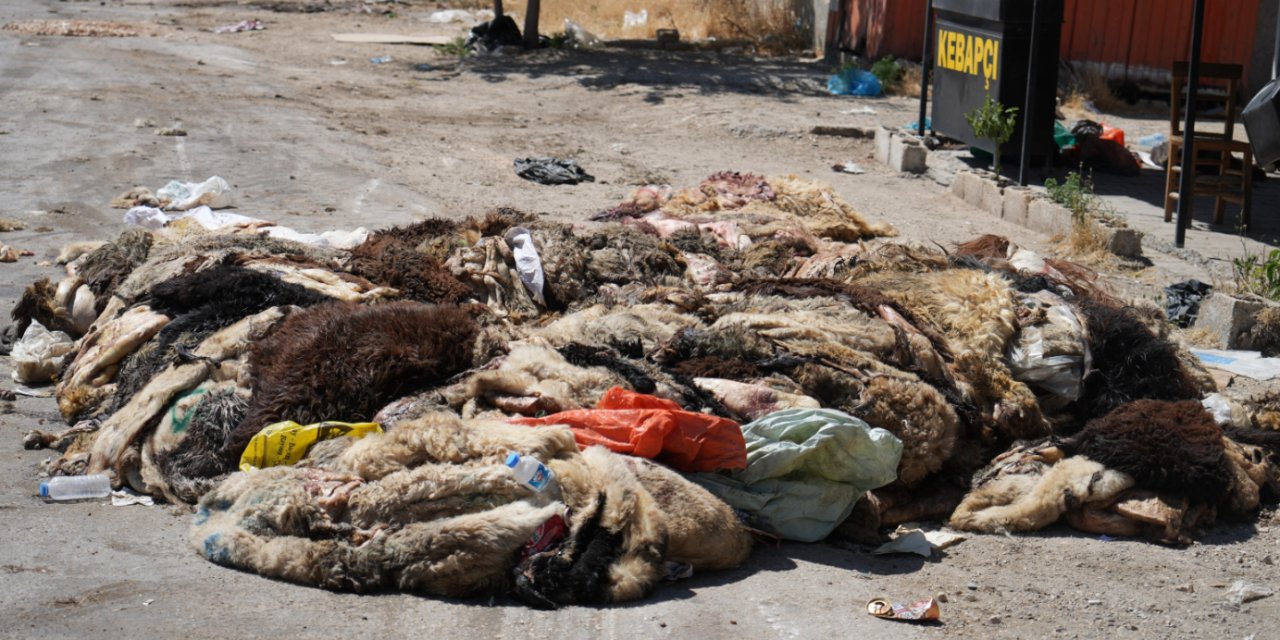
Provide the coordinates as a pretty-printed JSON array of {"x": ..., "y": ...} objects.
[{"x": 740, "y": 298}]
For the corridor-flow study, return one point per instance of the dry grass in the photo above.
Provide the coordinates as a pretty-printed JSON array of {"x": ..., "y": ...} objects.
[
  {"x": 1086, "y": 244},
  {"x": 1090, "y": 86},
  {"x": 909, "y": 84},
  {"x": 768, "y": 26}
]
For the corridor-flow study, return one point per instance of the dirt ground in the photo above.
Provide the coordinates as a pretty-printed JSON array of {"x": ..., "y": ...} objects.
[{"x": 313, "y": 135}]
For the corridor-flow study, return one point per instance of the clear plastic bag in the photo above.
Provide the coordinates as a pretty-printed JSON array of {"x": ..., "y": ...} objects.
[
  {"x": 38, "y": 355},
  {"x": 214, "y": 193}
]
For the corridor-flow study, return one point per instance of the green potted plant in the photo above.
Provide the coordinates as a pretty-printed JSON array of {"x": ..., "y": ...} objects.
[{"x": 995, "y": 122}]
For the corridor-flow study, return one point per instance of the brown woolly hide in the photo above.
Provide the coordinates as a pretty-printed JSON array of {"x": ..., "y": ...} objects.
[
  {"x": 897, "y": 258},
  {"x": 535, "y": 380},
  {"x": 496, "y": 221},
  {"x": 1129, "y": 363},
  {"x": 1174, "y": 446},
  {"x": 623, "y": 255},
  {"x": 392, "y": 261},
  {"x": 987, "y": 246},
  {"x": 417, "y": 233},
  {"x": 1265, "y": 333},
  {"x": 897, "y": 402},
  {"x": 733, "y": 344},
  {"x": 633, "y": 331},
  {"x": 341, "y": 361},
  {"x": 865, "y": 299},
  {"x": 1022, "y": 492},
  {"x": 39, "y": 302},
  {"x": 429, "y": 507},
  {"x": 564, "y": 264}
]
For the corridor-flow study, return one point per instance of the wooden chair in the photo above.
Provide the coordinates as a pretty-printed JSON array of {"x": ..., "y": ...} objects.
[{"x": 1224, "y": 182}]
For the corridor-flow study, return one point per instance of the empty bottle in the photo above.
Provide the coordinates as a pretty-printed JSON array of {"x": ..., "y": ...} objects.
[
  {"x": 76, "y": 487},
  {"x": 529, "y": 471}
]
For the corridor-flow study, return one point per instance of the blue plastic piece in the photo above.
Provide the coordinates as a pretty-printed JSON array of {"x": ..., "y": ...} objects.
[{"x": 853, "y": 82}]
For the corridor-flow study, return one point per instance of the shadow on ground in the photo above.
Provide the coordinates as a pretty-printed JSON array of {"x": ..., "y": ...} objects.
[{"x": 663, "y": 72}]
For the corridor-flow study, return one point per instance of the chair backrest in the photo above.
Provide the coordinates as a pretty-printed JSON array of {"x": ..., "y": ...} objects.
[{"x": 1231, "y": 74}]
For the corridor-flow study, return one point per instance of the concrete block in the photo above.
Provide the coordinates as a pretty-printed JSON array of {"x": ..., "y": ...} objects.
[
  {"x": 1048, "y": 217},
  {"x": 965, "y": 186},
  {"x": 884, "y": 137},
  {"x": 960, "y": 183},
  {"x": 1017, "y": 200},
  {"x": 1229, "y": 319},
  {"x": 907, "y": 154},
  {"x": 1126, "y": 243},
  {"x": 990, "y": 197}
]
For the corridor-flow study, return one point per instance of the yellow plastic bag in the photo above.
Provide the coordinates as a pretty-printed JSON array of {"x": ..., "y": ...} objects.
[{"x": 287, "y": 442}]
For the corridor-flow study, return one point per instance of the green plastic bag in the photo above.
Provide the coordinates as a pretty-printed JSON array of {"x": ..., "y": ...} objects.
[{"x": 806, "y": 469}]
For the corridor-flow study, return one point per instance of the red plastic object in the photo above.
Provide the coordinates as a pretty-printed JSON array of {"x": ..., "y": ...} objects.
[
  {"x": 1113, "y": 134},
  {"x": 650, "y": 427}
]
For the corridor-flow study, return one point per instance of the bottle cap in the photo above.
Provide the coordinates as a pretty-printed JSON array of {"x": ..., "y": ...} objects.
[
  {"x": 513, "y": 459},
  {"x": 44, "y": 489}
]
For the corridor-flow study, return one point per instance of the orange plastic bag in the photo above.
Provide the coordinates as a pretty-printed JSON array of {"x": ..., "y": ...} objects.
[
  {"x": 649, "y": 427},
  {"x": 1113, "y": 134}
]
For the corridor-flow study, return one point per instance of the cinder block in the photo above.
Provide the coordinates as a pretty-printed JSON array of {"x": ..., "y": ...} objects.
[
  {"x": 884, "y": 137},
  {"x": 1048, "y": 217},
  {"x": 961, "y": 183},
  {"x": 1017, "y": 200},
  {"x": 1229, "y": 319},
  {"x": 990, "y": 197},
  {"x": 907, "y": 154},
  {"x": 1126, "y": 243}
]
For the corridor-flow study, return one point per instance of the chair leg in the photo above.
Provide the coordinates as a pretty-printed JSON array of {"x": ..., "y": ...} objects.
[
  {"x": 1168, "y": 182},
  {"x": 1220, "y": 205},
  {"x": 1189, "y": 173},
  {"x": 1248, "y": 189}
]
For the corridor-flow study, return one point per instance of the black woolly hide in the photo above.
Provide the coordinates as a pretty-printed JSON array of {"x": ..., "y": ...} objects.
[
  {"x": 201, "y": 303},
  {"x": 1173, "y": 446},
  {"x": 576, "y": 571},
  {"x": 196, "y": 465},
  {"x": 342, "y": 361},
  {"x": 713, "y": 367},
  {"x": 1129, "y": 363},
  {"x": 583, "y": 355},
  {"x": 107, "y": 266}
]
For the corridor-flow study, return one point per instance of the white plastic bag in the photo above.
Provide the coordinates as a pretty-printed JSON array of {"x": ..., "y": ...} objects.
[
  {"x": 637, "y": 19},
  {"x": 38, "y": 355},
  {"x": 528, "y": 262},
  {"x": 214, "y": 193},
  {"x": 1063, "y": 374},
  {"x": 147, "y": 217}
]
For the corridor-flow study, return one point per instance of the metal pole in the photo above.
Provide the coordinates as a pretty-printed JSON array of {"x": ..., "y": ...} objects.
[
  {"x": 925, "y": 61},
  {"x": 1275, "y": 64},
  {"x": 1025, "y": 157},
  {"x": 1187, "y": 178}
]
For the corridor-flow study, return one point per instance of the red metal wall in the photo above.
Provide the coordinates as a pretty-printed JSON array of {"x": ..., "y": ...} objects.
[{"x": 1127, "y": 39}]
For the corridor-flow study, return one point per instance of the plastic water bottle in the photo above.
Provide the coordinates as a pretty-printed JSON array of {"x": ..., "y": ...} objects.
[
  {"x": 76, "y": 487},
  {"x": 529, "y": 471}
]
